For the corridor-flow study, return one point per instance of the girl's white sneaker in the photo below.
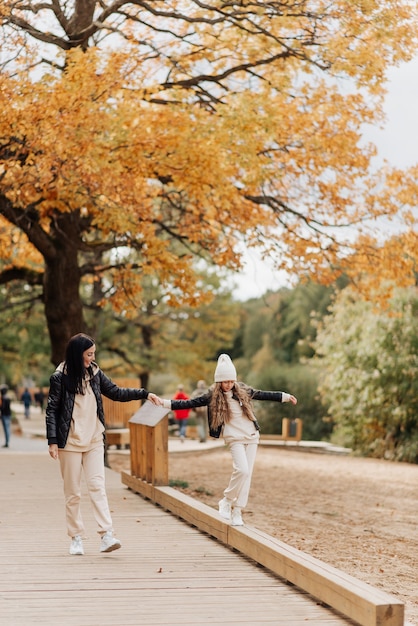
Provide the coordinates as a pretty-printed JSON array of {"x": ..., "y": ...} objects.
[
  {"x": 224, "y": 508},
  {"x": 236, "y": 517}
]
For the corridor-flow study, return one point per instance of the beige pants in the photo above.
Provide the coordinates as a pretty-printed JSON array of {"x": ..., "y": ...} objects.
[
  {"x": 243, "y": 458},
  {"x": 92, "y": 464}
]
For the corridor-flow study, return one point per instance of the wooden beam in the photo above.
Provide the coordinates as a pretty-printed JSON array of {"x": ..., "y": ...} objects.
[{"x": 355, "y": 599}]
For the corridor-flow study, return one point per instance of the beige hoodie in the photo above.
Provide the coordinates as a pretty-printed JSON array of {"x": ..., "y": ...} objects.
[
  {"x": 239, "y": 428},
  {"x": 86, "y": 430}
]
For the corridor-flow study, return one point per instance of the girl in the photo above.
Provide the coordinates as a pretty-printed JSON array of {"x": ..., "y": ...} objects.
[
  {"x": 230, "y": 413},
  {"x": 75, "y": 427}
]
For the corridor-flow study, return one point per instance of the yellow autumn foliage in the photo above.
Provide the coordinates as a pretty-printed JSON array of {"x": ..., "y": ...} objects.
[{"x": 158, "y": 135}]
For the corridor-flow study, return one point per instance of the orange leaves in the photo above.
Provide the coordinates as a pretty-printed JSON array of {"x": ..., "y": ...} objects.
[
  {"x": 16, "y": 251},
  {"x": 362, "y": 24},
  {"x": 207, "y": 126},
  {"x": 393, "y": 263}
]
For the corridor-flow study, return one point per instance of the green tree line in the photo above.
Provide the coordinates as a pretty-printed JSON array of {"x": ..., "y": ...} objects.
[{"x": 352, "y": 365}]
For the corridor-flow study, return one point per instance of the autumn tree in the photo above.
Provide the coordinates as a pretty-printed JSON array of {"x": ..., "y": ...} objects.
[
  {"x": 161, "y": 339},
  {"x": 137, "y": 137}
]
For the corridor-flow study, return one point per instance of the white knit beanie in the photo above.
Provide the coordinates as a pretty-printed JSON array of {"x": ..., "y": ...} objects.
[{"x": 225, "y": 369}]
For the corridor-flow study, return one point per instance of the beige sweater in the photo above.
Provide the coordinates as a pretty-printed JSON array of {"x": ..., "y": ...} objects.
[
  {"x": 240, "y": 429},
  {"x": 86, "y": 430}
]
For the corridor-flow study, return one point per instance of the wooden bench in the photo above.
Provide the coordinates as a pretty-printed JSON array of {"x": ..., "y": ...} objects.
[
  {"x": 291, "y": 430},
  {"x": 118, "y": 437}
]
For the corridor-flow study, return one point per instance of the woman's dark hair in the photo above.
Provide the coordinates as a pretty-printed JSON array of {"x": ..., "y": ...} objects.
[{"x": 74, "y": 362}]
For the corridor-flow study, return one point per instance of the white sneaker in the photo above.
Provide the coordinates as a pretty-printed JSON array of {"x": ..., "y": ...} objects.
[
  {"x": 76, "y": 546},
  {"x": 236, "y": 518},
  {"x": 109, "y": 542},
  {"x": 224, "y": 508}
]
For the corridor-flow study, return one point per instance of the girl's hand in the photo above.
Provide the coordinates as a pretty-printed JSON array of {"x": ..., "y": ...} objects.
[
  {"x": 155, "y": 399},
  {"x": 53, "y": 451},
  {"x": 292, "y": 399}
]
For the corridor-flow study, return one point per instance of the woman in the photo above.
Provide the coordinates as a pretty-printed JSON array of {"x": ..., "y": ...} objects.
[
  {"x": 75, "y": 427},
  {"x": 230, "y": 413}
]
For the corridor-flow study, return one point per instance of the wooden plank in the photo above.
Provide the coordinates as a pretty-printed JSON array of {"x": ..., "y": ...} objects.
[
  {"x": 358, "y": 600},
  {"x": 139, "y": 486},
  {"x": 166, "y": 574},
  {"x": 149, "y": 453},
  {"x": 142, "y": 451},
  {"x": 198, "y": 515},
  {"x": 135, "y": 444},
  {"x": 160, "y": 453}
]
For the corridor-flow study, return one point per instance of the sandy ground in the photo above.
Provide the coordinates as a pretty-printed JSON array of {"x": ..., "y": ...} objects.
[{"x": 359, "y": 515}]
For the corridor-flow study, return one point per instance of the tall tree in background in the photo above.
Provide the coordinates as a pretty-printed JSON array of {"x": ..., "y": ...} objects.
[
  {"x": 136, "y": 137},
  {"x": 369, "y": 362}
]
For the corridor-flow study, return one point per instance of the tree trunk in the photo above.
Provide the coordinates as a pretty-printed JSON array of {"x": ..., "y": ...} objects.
[
  {"x": 63, "y": 306},
  {"x": 147, "y": 337}
]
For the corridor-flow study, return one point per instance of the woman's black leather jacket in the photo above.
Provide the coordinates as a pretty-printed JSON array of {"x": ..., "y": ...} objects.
[{"x": 60, "y": 404}]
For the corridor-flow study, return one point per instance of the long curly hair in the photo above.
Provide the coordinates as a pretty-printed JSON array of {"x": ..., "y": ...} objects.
[
  {"x": 74, "y": 362},
  {"x": 219, "y": 407}
]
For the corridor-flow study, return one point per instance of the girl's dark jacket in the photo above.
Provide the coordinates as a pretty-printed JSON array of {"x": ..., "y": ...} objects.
[
  {"x": 255, "y": 394},
  {"x": 60, "y": 404}
]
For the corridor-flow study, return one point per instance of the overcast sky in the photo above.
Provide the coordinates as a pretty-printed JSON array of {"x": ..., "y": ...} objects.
[{"x": 397, "y": 143}]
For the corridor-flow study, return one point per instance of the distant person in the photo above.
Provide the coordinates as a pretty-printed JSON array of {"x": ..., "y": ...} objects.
[
  {"x": 231, "y": 414},
  {"x": 26, "y": 398},
  {"x": 6, "y": 414},
  {"x": 75, "y": 427},
  {"x": 200, "y": 413},
  {"x": 40, "y": 398},
  {"x": 181, "y": 415}
]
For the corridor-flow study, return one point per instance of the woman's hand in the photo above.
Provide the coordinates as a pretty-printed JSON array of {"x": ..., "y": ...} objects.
[
  {"x": 155, "y": 399},
  {"x": 292, "y": 399},
  {"x": 53, "y": 451}
]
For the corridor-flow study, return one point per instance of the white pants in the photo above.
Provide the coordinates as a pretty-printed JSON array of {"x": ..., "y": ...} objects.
[
  {"x": 92, "y": 463},
  {"x": 243, "y": 457}
]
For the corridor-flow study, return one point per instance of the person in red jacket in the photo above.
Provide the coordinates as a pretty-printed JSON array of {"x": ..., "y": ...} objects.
[{"x": 181, "y": 415}]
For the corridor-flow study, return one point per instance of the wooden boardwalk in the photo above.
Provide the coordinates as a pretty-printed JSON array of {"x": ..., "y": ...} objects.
[{"x": 166, "y": 573}]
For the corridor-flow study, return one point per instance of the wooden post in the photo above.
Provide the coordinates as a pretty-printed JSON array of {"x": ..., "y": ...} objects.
[
  {"x": 285, "y": 428},
  {"x": 287, "y": 435},
  {"x": 149, "y": 444},
  {"x": 298, "y": 429}
]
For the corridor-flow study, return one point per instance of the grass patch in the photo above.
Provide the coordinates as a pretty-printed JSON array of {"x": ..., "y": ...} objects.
[
  {"x": 204, "y": 491},
  {"x": 183, "y": 484}
]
